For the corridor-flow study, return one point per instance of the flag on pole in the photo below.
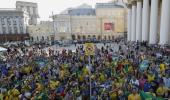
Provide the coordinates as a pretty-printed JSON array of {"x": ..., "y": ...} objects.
[{"x": 89, "y": 49}]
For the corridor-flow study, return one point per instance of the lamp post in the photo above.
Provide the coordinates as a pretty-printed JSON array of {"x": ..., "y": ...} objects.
[
  {"x": 125, "y": 9},
  {"x": 101, "y": 28},
  {"x": 53, "y": 39}
]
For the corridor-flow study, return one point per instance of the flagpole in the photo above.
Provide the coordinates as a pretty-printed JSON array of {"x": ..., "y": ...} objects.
[
  {"x": 90, "y": 75},
  {"x": 89, "y": 50}
]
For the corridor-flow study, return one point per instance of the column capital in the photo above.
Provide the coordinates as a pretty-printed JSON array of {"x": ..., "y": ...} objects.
[
  {"x": 139, "y": 0},
  {"x": 133, "y": 2},
  {"x": 129, "y": 5}
]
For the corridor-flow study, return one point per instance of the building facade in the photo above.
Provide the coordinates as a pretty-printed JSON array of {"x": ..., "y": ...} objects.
[
  {"x": 42, "y": 32},
  {"x": 106, "y": 21},
  {"x": 13, "y": 25},
  {"x": 30, "y": 8},
  {"x": 111, "y": 14},
  {"x": 149, "y": 20}
]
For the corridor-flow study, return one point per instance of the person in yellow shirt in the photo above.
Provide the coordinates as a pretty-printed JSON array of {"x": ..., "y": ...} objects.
[
  {"x": 15, "y": 93},
  {"x": 134, "y": 95},
  {"x": 85, "y": 71},
  {"x": 39, "y": 87},
  {"x": 130, "y": 69},
  {"x": 151, "y": 77},
  {"x": 53, "y": 84},
  {"x": 61, "y": 74},
  {"x": 102, "y": 77},
  {"x": 162, "y": 67},
  {"x": 1, "y": 96},
  {"x": 161, "y": 90},
  {"x": 113, "y": 93}
]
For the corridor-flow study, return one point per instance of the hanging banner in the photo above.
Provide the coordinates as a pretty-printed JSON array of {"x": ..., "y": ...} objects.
[{"x": 108, "y": 26}]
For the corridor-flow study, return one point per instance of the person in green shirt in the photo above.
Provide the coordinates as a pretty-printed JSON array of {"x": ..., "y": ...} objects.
[{"x": 1, "y": 96}]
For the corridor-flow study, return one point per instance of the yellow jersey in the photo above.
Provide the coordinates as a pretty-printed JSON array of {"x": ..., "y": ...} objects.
[{"x": 134, "y": 97}]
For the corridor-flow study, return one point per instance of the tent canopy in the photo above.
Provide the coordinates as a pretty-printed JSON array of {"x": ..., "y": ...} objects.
[{"x": 2, "y": 49}]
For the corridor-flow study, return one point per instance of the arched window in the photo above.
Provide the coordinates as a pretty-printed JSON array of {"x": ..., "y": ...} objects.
[
  {"x": 37, "y": 38},
  {"x": 42, "y": 38}
]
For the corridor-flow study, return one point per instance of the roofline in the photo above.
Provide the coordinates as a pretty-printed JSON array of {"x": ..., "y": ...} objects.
[
  {"x": 10, "y": 10},
  {"x": 26, "y": 2},
  {"x": 7, "y": 8}
]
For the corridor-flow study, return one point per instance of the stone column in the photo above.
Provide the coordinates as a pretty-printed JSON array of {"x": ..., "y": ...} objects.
[
  {"x": 129, "y": 24},
  {"x": 139, "y": 21},
  {"x": 165, "y": 23},
  {"x": 133, "y": 23},
  {"x": 23, "y": 25},
  {"x": 153, "y": 22},
  {"x": 6, "y": 25},
  {"x": 36, "y": 11},
  {"x": 0, "y": 27},
  {"x": 145, "y": 20},
  {"x": 12, "y": 25},
  {"x": 18, "y": 25},
  {"x": 31, "y": 11}
]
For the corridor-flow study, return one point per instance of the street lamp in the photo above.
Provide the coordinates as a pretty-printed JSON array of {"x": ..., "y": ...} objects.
[
  {"x": 53, "y": 24},
  {"x": 101, "y": 28}
]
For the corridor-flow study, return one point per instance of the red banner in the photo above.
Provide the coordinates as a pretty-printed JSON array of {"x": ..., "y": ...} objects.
[{"x": 108, "y": 26}]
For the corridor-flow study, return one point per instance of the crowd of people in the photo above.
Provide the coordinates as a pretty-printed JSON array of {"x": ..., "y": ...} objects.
[{"x": 136, "y": 71}]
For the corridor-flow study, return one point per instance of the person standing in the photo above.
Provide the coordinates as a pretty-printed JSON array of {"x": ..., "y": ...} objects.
[{"x": 134, "y": 95}]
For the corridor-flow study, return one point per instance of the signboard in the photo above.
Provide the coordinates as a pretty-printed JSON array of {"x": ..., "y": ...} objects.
[
  {"x": 89, "y": 48},
  {"x": 108, "y": 26}
]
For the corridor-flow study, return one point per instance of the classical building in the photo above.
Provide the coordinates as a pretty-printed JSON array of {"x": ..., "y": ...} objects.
[
  {"x": 149, "y": 20},
  {"x": 31, "y": 9},
  {"x": 105, "y": 21},
  {"x": 13, "y": 25},
  {"x": 41, "y": 32}
]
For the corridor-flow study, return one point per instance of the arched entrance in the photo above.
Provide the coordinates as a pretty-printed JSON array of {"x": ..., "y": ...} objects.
[
  {"x": 94, "y": 36},
  {"x": 78, "y": 37},
  {"x": 99, "y": 37},
  {"x": 73, "y": 37},
  {"x": 84, "y": 37},
  {"x": 89, "y": 36},
  {"x": 47, "y": 38},
  {"x": 62, "y": 38},
  {"x": 37, "y": 38},
  {"x": 105, "y": 38},
  {"x": 113, "y": 37},
  {"x": 109, "y": 37},
  {"x": 42, "y": 38}
]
